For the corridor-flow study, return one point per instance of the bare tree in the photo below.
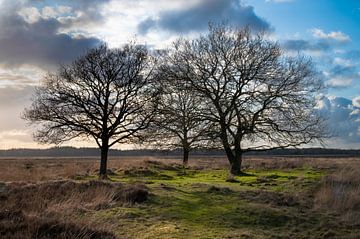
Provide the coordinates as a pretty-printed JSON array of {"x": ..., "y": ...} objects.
[
  {"x": 258, "y": 98},
  {"x": 104, "y": 95},
  {"x": 178, "y": 122}
]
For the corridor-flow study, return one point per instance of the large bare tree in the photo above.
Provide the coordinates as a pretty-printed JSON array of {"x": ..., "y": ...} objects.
[
  {"x": 259, "y": 98},
  {"x": 178, "y": 122},
  {"x": 104, "y": 95}
]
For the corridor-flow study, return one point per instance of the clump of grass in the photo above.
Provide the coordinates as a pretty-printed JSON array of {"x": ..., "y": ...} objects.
[
  {"x": 146, "y": 173},
  {"x": 16, "y": 225},
  {"x": 340, "y": 193},
  {"x": 131, "y": 194},
  {"x": 45, "y": 210},
  {"x": 69, "y": 196}
]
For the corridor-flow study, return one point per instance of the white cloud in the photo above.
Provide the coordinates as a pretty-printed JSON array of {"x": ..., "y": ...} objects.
[
  {"x": 343, "y": 62},
  {"x": 356, "y": 101},
  {"x": 335, "y": 35},
  {"x": 340, "y": 82},
  {"x": 55, "y": 12},
  {"x": 20, "y": 135},
  {"x": 20, "y": 76},
  {"x": 30, "y": 14},
  {"x": 355, "y": 112},
  {"x": 158, "y": 30}
]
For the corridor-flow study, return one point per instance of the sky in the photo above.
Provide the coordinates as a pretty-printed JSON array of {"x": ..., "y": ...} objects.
[{"x": 36, "y": 36}]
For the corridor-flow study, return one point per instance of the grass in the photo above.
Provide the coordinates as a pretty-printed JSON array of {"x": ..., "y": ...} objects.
[
  {"x": 201, "y": 204},
  {"x": 296, "y": 198}
]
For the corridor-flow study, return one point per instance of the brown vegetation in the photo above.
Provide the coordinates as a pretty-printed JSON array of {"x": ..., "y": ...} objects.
[
  {"x": 340, "y": 193},
  {"x": 43, "y": 169},
  {"x": 15, "y": 225},
  {"x": 44, "y": 210},
  {"x": 43, "y": 198}
]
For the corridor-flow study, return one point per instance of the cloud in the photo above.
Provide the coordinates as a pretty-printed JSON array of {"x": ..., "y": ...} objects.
[
  {"x": 83, "y": 13},
  {"x": 340, "y": 67},
  {"x": 304, "y": 45},
  {"x": 30, "y": 37},
  {"x": 342, "y": 74},
  {"x": 343, "y": 119},
  {"x": 339, "y": 82},
  {"x": 356, "y": 101},
  {"x": 335, "y": 35},
  {"x": 343, "y": 62},
  {"x": 323, "y": 42},
  {"x": 13, "y": 99},
  {"x": 11, "y": 96},
  {"x": 197, "y": 17},
  {"x": 16, "y": 135}
]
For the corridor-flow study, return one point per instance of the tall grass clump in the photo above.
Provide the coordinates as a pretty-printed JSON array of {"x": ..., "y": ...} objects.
[{"x": 340, "y": 193}]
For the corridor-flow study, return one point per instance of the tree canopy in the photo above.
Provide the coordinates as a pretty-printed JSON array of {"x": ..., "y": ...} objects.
[
  {"x": 104, "y": 95},
  {"x": 258, "y": 97}
]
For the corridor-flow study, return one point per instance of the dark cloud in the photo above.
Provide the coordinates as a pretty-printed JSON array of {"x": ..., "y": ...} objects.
[
  {"x": 40, "y": 42},
  {"x": 197, "y": 17},
  {"x": 303, "y": 45}
]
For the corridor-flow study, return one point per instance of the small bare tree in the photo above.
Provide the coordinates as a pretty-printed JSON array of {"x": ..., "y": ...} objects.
[
  {"x": 104, "y": 95},
  {"x": 178, "y": 122},
  {"x": 258, "y": 98}
]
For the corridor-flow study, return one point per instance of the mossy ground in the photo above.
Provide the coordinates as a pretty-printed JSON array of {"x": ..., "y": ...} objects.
[{"x": 202, "y": 204}]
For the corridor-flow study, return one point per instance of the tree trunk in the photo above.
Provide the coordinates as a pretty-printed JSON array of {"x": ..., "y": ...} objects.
[
  {"x": 103, "y": 162},
  {"x": 235, "y": 165},
  {"x": 233, "y": 157},
  {"x": 235, "y": 160},
  {"x": 186, "y": 152}
]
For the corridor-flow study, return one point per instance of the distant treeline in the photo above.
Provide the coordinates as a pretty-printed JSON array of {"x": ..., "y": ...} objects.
[{"x": 94, "y": 152}]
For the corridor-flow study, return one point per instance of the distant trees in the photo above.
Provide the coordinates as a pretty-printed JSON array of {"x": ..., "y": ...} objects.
[
  {"x": 258, "y": 98},
  {"x": 105, "y": 95}
]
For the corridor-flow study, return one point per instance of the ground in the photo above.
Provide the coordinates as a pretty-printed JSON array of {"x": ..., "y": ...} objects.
[{"x": 277, "y": 198}]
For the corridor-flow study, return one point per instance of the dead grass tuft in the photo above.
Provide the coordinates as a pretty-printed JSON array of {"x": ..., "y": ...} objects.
[
  {"x": 66, "y": 195},
  {"x": 15, "y": 225},
  {"x": 43, "y": 210},
  {"x": 340, "y": 192},
  {"x": 131, "y": 194}
]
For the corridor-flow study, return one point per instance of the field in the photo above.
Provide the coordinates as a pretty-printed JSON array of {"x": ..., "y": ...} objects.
[{"x": 279, "y": 197}]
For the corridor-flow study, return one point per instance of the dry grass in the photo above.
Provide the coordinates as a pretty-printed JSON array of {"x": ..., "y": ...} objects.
[
  {"x": 38, "y": 198},
  {"x": 43, "y": 169},
  {"x": 340, "y": 193},
  {"x": 16, "y": 225},
  {"x": 45, "y": 210}
]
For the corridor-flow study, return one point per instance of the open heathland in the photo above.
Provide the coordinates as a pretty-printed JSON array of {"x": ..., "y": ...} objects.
[{"x": 148, "y": 197}]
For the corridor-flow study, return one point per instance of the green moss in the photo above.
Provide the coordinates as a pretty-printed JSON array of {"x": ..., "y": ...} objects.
[{"x": 201, "y": 204}]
